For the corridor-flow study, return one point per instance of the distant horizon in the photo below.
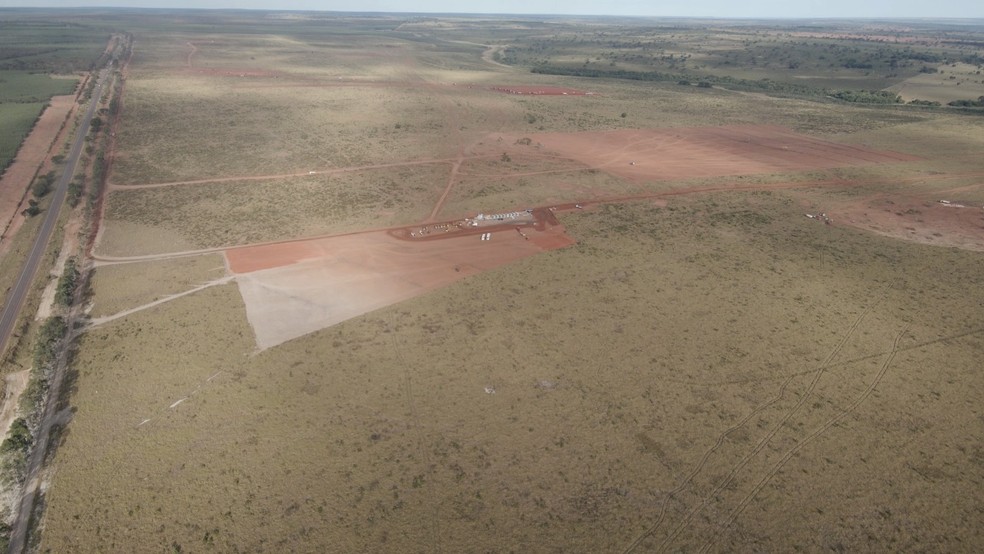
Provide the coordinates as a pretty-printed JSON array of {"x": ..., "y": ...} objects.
[{"x": 962, "y": 10}]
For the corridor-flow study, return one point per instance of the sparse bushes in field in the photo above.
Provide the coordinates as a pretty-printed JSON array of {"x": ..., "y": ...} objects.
[
  {"x": 75, "y": 189},
  {"x": 979, "y": 103}
]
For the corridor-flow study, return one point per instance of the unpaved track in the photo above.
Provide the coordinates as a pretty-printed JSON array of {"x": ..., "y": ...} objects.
[
  {"x": 740, "y": 465},
  {"x": 743, "y": 504},
  {"x": 333, "y": 171},
  {"x": 106, "y": 319}
]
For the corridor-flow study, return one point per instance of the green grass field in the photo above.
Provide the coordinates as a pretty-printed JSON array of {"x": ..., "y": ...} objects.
[
  {"x": 16, "y": 121},
  {"x": 50, "y": 42},
  {"x": 21, "y": 86}
]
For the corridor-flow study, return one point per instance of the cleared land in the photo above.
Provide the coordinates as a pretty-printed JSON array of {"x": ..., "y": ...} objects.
[
  {"x": 704, "y": 369},
  {"x": 293, "y": 289},
  {"x": 32, "y": 153}
]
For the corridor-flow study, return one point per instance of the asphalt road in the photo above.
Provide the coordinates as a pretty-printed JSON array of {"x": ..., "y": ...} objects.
[
  {"x": 18, "y": 293},
  {"x": 14, "y": 304}
]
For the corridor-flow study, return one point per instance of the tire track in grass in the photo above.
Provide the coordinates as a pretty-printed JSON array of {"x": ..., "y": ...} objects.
[
  {"x": 810, "y": 438},
  {"x": 758, "y": 447},
  {"x": 703, "y": 461}
]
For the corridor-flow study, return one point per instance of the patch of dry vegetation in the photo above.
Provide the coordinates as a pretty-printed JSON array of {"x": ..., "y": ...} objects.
[
  {"x": 772, "y": 382},
  {"x": 193, "y": 128},
  {"x": 378, "y": 435},
  {"x": 119, "y": 287},
  {"x": 242, "y": 212}
]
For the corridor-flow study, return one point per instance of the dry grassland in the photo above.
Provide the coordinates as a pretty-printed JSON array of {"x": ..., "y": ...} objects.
[
  {"x": 203, "y": 129},
  {"x": 242, "y": 212},
  {"x": 704, "y": 371},
  {"x": 748, "y": 338},
  {"x": 119, "y": 287},
  {"x": 959, "y": 81}
]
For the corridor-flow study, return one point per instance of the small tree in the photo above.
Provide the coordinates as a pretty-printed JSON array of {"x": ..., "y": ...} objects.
[
  {"x": 32, "y": 208},
  {"x": 42, "y": 185},
  {"x": 67, "y": 283}
]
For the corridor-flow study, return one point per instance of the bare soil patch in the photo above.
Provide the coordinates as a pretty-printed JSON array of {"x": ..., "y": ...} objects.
[
  {"x": 953, "y": 224},
  {"x": 690, "y": 152},
  {"x": 295, "y": 288},
  {"x": 14, "y": 385}
]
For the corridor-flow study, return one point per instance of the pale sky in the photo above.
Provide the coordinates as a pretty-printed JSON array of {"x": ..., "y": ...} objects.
[{"x": 694, "y": 8}]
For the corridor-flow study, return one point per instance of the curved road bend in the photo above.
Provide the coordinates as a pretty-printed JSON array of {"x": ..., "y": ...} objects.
[{"x": 9, "y": 316}]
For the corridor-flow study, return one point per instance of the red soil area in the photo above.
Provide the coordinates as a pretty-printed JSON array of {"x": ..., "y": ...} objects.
[
  {"x": 294, "y": 288},
  {"x": 541, "y": 90},
  {"x": 957, "y": 224},
  {"x": 684, "y": 153}
]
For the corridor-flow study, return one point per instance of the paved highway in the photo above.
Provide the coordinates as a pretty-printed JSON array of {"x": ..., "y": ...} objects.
[
  {"x": 15, "y": 300},
  {"x": 14, "y": 303}
]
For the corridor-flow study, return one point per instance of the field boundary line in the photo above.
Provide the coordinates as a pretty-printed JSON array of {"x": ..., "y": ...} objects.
[{"x": 332, "y": 171}]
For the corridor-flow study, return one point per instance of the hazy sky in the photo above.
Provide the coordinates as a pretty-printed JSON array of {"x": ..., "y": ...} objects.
[{"x": 700, "y": 8}]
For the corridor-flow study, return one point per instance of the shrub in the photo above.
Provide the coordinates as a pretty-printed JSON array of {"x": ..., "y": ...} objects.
[
  {"x": 18, "y": 438},
  {"x": 42, "y": 185}
]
